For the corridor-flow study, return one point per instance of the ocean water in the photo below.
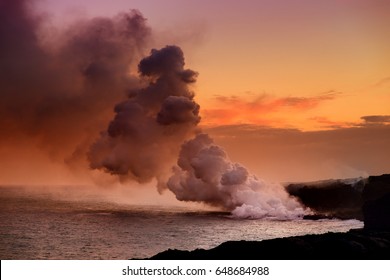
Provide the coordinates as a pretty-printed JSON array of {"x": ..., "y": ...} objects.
[{"x": 44, "y": 227}]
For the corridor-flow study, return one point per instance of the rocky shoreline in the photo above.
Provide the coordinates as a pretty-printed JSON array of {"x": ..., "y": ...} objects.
[
  {"x": 366, "y": 199},
  {"x": 354, "y": 245}
]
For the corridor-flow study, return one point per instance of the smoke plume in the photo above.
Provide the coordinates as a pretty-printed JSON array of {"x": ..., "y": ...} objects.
[
  {"x": 57, "y": 89},
  {"x": 58, "y": 93},
  {"x": 144, "y": 140}
]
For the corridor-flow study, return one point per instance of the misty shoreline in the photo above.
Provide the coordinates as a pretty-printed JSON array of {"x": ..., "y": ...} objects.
[{"x": 370, "y": 202}]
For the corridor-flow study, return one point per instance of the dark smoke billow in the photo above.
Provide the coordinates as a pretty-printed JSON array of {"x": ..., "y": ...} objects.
[
  {"x": 144, "y": 140},
  {"x": 59, "y": 93}
]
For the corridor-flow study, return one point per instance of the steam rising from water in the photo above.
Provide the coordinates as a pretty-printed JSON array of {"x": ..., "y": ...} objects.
[
  {"x": 59, "y": 94},
  {"x": 206, "y": 174},
  {"x": 143, "y": 141}
]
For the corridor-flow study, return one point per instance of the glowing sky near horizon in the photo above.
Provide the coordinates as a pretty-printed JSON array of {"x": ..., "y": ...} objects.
[
  {"x": 271, "y": 62},
  {"x": 293, "y": 89}
]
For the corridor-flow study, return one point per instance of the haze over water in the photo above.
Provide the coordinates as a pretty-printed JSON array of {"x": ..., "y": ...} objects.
[{"x": 39, "y": 226}]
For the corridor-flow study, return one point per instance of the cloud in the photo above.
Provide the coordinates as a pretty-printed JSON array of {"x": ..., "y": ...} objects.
[
  {"x": 376, "y": 119},
  {"x": 373, "y": 120},
  {"x": 383, "y": 82},
  {"x": 279, "y": 154},
  {"x": 269, "y": 103},
  {"x": 327, "y": 123},
  {"x": 237, "y": 109}
]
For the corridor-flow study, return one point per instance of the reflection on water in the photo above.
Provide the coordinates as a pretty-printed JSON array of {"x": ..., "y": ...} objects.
[{"x": 40, "y": 227}]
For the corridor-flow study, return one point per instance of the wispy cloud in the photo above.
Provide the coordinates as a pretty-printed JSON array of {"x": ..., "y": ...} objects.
[
  {"x": 291, "y": 154},
  {"x": 241, "y": 109},
  {"x": 268, "y": 103},
  {"x": 325, "y": 122},
  {"x": 366, "y": 121},
  {"x": 382, "y": 82},
  {"x": 376, "y": 119}
]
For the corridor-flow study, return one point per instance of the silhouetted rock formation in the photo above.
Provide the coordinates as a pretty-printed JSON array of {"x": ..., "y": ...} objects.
[
  {"x": 355, "y": 244},
  {"x": 341, "y": 198},
  {"x": 377, "y": 213},
  {"x": 376, "y": 187},
  {"x": 335, "y": 198},
  {"x": 376, "y": 208}
]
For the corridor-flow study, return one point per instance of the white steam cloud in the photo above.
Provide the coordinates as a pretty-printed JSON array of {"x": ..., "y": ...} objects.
[
  {"x": 206, "y": 174},
  {"x": 145, "y": 140}
]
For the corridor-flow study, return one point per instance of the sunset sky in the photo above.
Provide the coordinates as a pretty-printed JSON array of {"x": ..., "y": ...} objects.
[
  {"x": 295, "y": 90},
  {"x": 299, "y": 64}
]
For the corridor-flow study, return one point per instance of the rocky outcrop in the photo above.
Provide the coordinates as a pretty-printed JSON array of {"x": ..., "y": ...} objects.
[
  {"x": 376, "y": 187},
  {"x": 335, "y": 198},
  {"x": 353, "y": 245},
  {"x": 377, "y": 213},
  {"x": 376, "y": 207},
  {"x": 345, "y": 199}
]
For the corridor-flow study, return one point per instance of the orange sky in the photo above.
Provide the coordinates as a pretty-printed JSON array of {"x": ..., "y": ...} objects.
[
  {"x": 301, "y": 66},
  {"x": 262, "y": 53}
]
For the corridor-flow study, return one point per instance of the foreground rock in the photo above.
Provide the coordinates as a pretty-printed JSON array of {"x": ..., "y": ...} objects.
[{"x": 353, "y": 245}]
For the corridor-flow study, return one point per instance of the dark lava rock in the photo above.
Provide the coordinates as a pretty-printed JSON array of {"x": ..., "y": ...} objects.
[
  {"x": 336, "y": 198},
  {"x": 342, "y": 199},
  {"x": 377, "y": 213},
  {"x": 316, "y": 217},
  {"x": 376, "y": 208},
  {"x": 376, "y": 187},
  {"x": 353, "y": 245}
]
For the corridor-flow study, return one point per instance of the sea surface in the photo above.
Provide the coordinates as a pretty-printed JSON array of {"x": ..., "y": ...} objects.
[{"x": 44, "y": 227}]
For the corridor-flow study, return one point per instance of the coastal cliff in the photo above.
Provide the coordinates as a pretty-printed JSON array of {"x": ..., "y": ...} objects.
[{"x": 343, "y": 199}]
